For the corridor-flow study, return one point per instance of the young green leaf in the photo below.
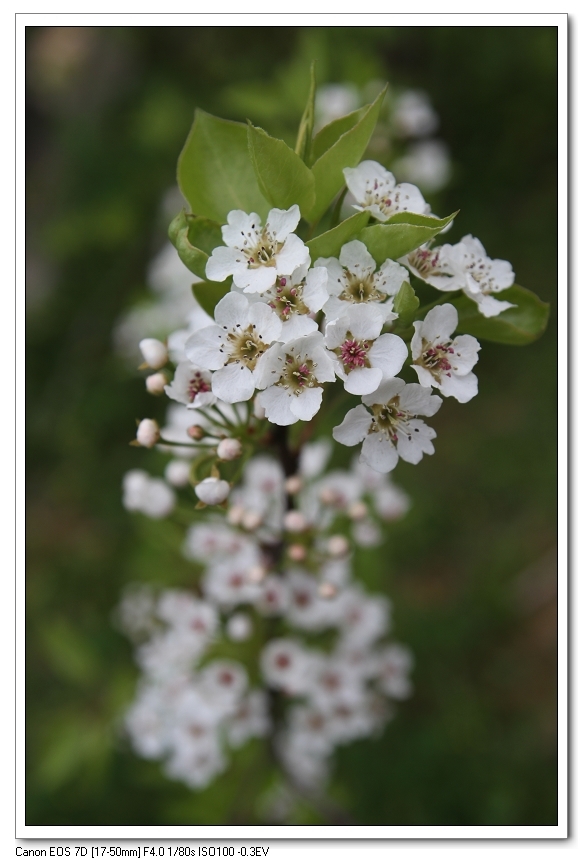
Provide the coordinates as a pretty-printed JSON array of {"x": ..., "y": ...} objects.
[
  {"x": 194, "y": 237},
  {"x": 346, "y": 152},
  {"x": 330, "y": 134},
  {"x": 405, "y": 304},
  {"x": 520, "y": 325},
  {"x": 215, "y": 172},
  {"x": 304, "y": 139},
  {"x": 282, "y": 176},
  {"x": 401, "y": 234},
  {"x": 209, "y": 293},
  {"x": 330, "y": 243}
]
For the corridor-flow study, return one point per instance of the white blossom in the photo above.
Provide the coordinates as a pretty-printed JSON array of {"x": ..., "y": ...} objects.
[
  {"x": 150, "y": 496},
  {"x": 441, "y": 361},
  {"x": 296, "y": 299},
  {"x": 352, "y": 280},
  {"x": 148, "y": 433},
  {"x": 393, "y": 429},
  {"x": 156, "y": 383},
  {"x": 154, "y": 353},
  {"x": 212, "y": 491},
  {"x": 191, "y": 385},
  {"x": 256, "y": 256},
  {"x": 177, "y": 473},
  {"x": 376, "y": 190},
  {"x": 229, "y": 449},
  {"x": 413, "y": 114},
  {"x": 234, "y": 345}
]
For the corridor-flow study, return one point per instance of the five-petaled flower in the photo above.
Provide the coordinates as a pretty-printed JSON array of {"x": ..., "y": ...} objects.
[{"x": 376, "y": 190}]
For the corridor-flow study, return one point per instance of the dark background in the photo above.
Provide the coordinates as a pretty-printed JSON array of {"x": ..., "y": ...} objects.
[{"x": 471, "y": 569}]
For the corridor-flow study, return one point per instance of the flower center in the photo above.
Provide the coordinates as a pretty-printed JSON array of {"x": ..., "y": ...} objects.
[
  {"x": 426, "y": 262},
  {"x": 388, "y": 419},
  {"x": 246, "y": 346},
  {"x": 436, "y": 358},
  {"x": 353, "y": 353},
  {"x": 287, "y": 299},
  {"x": 298, "y": 374},
  {"x": 197, "y": 385},
  {"x": 260, "y": 249},
  {"x": 360, "y": 289}
]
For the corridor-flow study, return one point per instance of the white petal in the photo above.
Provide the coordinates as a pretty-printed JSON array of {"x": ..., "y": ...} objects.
[
  {"x": 424, "y": 376},
  {"x": 296, "y": 326},
  {"x": 462, "y": 387},
  {"x": 276, "y": 402},
  {"x": 270, "y": 366},
  {"x": 363, "y": 381},
  {"x": 293, "y": 254},
  {"x": 386, "y": 391},
  {"x": 255, "y": 279},
  {"x": 280, "y": 223},
  {"x": 379, "y": 453},
  {"x": 307, "y": 403},
  {"x": 440, "y": 322},
  {"x": 222, "y": 263},
  {"x": 356, "y": 258},
  {"x": 267, "y": 324},
  {"x": 361, "y": 178},
  {"x": 412, "y": 449},
  {"x": 354, "y": 427},
  {"x": 416, "y": 341},
  {"x": 337, "y": 281},
  {"x": 232, "y": 310},
  {"x": 336, "y": 331},
  {"x": 489, "y": 306},
  {"x": 366, "y": 320},
  {"x": 390, "y": 277},
  {"x": 315, "y": 290},
  {"x": 419, "y": 400},
  {"x": 388, "y": 353},
  {"x": 240, "y": 225},
  {"x": 204, "y": 347},
  {"x": 465, "y": 354},
  {"x": 233, "y": 383}
]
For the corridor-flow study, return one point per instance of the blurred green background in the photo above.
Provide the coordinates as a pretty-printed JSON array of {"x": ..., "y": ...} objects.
[{"x": 471, "y": 569}]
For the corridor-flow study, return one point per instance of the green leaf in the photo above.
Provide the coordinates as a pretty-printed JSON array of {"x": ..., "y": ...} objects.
[
  {"x": 519, "y": 325},
  {"x": 282, "y": 176},
  {"x": 401, "y": 234},
  {"x": 215, "y": 172},
  {"x": 330, "y": 134},
  {"x": 331, "y": 242},
  {"x": 304, "y": 139},
  {"x": 194, "y": 237},
  {"x": 209, "y": 293},
  {"x": 346, "y": 152},
  {"x": 405, "y": 304}
]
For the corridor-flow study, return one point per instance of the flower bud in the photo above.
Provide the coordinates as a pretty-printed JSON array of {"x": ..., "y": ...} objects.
[
  {"x": 258, "y": 410},
  {"x": 239, "y": 627},
  {"x": 148, "y": 433},
  {"x": 154, "y": 353},
  {"x": 212, "y": 491},
  {"x": 328, "y": 496},
  {"x": 251, "y": 520},
  {"x": 294, "y": 521},
  {"x": 327, "y": 590},
  {"x": 156, "y": 383},
  {"x": 235, "y": 514},
  {"x": 256, "y": 574},
  {"x": 296, "y": 552},
  {"x": 357, "y": 511},
  {"x": 230, "y": 449},
  {"x": 293, "y": 485},
  {"x": 177, "y": 473},
  {"x": 195, "y": 432},
  {"x": 338, "y": 546}
]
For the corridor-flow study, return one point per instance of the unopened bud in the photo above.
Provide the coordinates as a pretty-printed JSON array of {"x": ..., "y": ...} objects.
[
  {"x": 293, "y": 485},
  {"x": 294, "y": 521},
  {"x": 177, "y": 473},
  {"x": 258, "y": 410},
  {"x": 338, "y": 546},
  {"x": 296, "y": 552},
  {"x": 156, "y": 383},
  {"x": 212, "y": 491},
  {"x": 235, "y": 514},
  {"x": 328, "y": 496},
  {"x": 239, "y": 627},
  {"x": 256, "y": 574},
  {"x": 327, "y": 590},
  {"x": 195, "y": 432},
  {"x": 230, "y": 449},
  {"x": 148, "y": 433},
  {"x": 357, "y": 511},
  {"x": 251, "y": 520},
  {"x": 154, "y": 353}
]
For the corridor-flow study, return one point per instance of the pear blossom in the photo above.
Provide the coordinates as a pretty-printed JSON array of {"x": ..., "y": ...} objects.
[
  {"x": 352, "y": 280},
  {"x": 177, "y": 473},
  {"x": 413, "y": 114},
  {"x": 394, "y": 664},
  {"x": 256, "y": 256},
  {"x": 285, "y": 664},
  {"x": 191, "y": 385},
  {"x": 295, "y": 299},
  {"x": 441, "y": 361},
  {"x": 212, "y": 491},
  {"x": 150, "y": 496},
  {"x": 393, "y": 429},
  {"x": 366, "y": 356},
  {"x": 376, "y": 190},
  {"x": 466, "y": 266},
  {"x": 154, "y": 352},
  {"x": 229, "y": 449},
  {"x": 232, "y": 347},
  {"x": 290, "y": 375},
  {"x": 156, "y": 383},
  {"x": 148, "y": 433}
]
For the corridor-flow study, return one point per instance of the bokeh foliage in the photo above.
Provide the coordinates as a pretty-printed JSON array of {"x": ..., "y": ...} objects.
[{"x": 471, "y": 569}]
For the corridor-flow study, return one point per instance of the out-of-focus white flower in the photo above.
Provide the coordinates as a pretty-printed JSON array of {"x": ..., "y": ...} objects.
[
  {"x": 352, "y": 280},
  {"x": 227, "y": 582},
  {"x": 212, "y": 491},
  {"x": 148, "y": 433},
  {"x": 413, "y": 114},
  {"x": 212, "y": 541},
  {"x": 293, "y": 485},
  {"x": 297, "y": 552},
  {"x": 285, "y": 664},
  {"x": 295, "y": 521},
  {"x": 427, "y": 164},
  {"x": 291, "y": 374},
  {"x": 274, "y": 597},
  {"x": 251, "y": 718},
  {"x": 229, "y": 449},
  {"x": 256, "y": 256},
  {"x": 334, "y": 101},
  {"x": 441, "y": 361},
  {"x": 156, "y": 383},
  {"x": 338, "y": 546},
  {"x": 177, "y": 473},
  {"x": 314, "y": 457},
  {"x": 394, "y": 665},
  {"x": 394, "y": 429},
  {"x": 150, "y": 496},
  {"x": 376, "y": 190},
  {"x": 362, "y": 618},
  {"x": 234, "y": 345},
  {"x": 191, "y": 385},
  {"x": 154, "y": 353},
  {"x": 239, "y": 627}
]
